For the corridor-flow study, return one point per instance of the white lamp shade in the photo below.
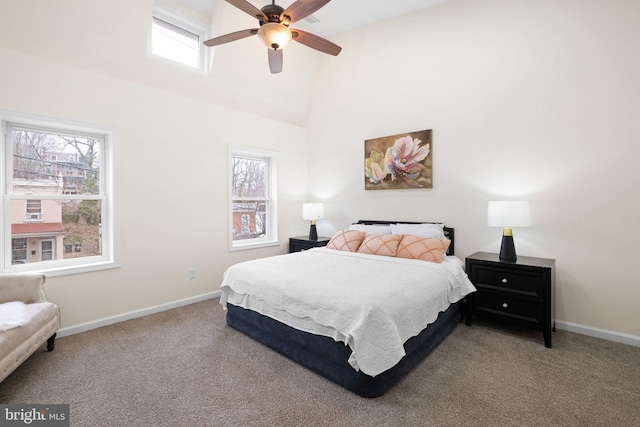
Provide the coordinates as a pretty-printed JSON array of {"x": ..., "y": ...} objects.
[
  {"x": 274, "y": 35},
  {"x": 509, "y": 214},
  {"x": 312, "y": 211}
]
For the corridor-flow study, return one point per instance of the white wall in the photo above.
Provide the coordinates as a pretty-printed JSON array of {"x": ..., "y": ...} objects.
[
  {"x": 527, "y": 99},
  {"x": 173, "y": 175}
]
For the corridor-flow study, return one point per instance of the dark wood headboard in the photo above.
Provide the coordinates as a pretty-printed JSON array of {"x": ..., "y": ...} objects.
[{"x": 448, "y": 231}]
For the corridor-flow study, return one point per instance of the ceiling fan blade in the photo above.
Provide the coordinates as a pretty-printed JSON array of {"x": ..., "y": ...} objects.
[
  {"x": 275, "y": 60},
  {"x": 231, "y": 37},
  {"x": 301, "y": 9},
  {"x": 316, "y": 42},
  {"x": 247, "y": 7}
]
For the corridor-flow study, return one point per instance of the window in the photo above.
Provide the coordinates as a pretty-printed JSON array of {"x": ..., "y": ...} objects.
[
  {"x": 46, "y": 250},
  {"x": 34, "y": 211},
  {"x": 252, "y": 198},
  {"x": 18, "y": 251},
  {"x": 246, "y": 221},
  {"x": 49, "y": 211},
  {"x": 178, "y": 39}
]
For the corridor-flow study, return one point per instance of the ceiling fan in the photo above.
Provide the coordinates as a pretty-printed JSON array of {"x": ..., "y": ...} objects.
[{"x": 274, "y": 29}]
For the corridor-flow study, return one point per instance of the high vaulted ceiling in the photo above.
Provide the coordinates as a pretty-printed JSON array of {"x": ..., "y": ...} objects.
[
  {"x": 339, "y": 15},
  {"x": 113, "y": 39}
]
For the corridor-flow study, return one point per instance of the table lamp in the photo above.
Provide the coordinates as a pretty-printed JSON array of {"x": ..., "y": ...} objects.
[
  {"x": 508, "y": 214},
  {"x": 312, "y": 212}
]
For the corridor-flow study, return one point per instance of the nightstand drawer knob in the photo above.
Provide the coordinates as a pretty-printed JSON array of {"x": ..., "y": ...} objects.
[
  {"x": 504, "y": 280},
  {"x": 505, "y": 305}
]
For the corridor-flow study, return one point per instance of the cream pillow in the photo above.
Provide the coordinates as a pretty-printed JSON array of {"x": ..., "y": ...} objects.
[
  {"x": 346, "y": 240},
  {"x": 386, "y": 245},
  {"x": 372, "y": 229},
  {"x": 434, "y": 231},
  {"x": 423, "y": 248}
]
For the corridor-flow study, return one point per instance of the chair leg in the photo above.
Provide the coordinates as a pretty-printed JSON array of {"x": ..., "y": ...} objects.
[{"x": 51, "y": 342}]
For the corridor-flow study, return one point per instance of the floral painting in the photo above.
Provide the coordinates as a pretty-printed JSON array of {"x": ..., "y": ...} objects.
[{"x": 398, "y": 161}]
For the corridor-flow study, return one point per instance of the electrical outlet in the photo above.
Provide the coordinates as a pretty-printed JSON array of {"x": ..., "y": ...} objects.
[{"x": 192, "y": 273}]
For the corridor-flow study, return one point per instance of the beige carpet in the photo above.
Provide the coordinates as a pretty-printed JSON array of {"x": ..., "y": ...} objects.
[{"x": 185, "y": 367}]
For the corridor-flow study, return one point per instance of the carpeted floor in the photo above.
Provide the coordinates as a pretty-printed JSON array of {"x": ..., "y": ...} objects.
[{"x": 185, "y": 367}]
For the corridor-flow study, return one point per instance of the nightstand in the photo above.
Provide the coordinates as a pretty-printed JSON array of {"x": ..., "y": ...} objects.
[
  {"x": 297, "y": 244},
  {"x": 519, "y": 292}
]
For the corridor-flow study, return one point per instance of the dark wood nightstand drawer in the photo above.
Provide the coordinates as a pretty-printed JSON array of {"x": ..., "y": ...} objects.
[
  {"x": 523, "y": 309},
  {"x": 508, "y": 279}
]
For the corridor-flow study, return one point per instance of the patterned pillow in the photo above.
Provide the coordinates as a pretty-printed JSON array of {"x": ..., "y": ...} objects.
[
  {"x": 386, "y": 245},
  {"x": 346, "y": 240},
  {"x": 426, "y": 249}
]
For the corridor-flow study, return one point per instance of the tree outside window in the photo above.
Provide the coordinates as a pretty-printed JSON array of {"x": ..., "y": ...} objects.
[{"x": 253, "y": 211}]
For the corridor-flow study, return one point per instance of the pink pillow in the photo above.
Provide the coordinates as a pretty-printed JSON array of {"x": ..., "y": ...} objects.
[
  {"x": 346, "y": 240},
  {"x": 386, "y": 245},
  {"x": 423, "y": 248}
]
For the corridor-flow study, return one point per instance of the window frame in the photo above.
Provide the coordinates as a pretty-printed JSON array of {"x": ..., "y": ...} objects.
[
  {"x": 271, "y": 238},
  {"x": 186, "y": 25},
  {"x": 108, "y": 195}
]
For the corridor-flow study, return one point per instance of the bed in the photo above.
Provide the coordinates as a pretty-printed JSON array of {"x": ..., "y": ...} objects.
[{"x": 361, "y": 320}]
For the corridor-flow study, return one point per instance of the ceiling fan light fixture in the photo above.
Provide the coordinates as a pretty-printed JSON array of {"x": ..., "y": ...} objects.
[
  {"x": 274, "y": 35},
  {"x": 274, "y": 29}
]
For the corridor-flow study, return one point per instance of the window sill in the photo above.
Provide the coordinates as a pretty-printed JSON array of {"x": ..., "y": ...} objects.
[
  {"x": 253, "y": 245},
  {"x": 56, "y": 271}
]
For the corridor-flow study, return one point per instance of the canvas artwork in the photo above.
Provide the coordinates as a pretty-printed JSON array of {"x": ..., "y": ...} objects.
[{"x": 399, "y": 161}]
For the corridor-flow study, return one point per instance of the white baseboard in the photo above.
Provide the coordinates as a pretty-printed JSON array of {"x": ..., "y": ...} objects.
[
  {"x": 599, "y": 333},
  {"x": 566, "y": 326},
  {"x": 71, "y": 330}
]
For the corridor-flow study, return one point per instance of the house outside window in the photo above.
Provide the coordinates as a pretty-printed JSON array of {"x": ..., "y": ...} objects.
[
  {"x": 252, "y": 198},
  {"x": 50, "y": 208}
]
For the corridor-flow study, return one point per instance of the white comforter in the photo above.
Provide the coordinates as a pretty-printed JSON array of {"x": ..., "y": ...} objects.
[{"x": 371, "y": 303}]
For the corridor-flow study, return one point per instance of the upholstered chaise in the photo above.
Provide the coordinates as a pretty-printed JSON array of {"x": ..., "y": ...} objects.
[{"x": 42, "y": 316}]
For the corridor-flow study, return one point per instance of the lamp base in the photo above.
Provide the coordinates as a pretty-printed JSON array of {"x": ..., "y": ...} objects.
[
  {"x": 313, "y": 233},
  {"x": 508, "y": 249}
]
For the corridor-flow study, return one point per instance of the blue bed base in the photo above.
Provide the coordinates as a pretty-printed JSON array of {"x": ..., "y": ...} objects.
[{"x": 329, "y": 358}]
